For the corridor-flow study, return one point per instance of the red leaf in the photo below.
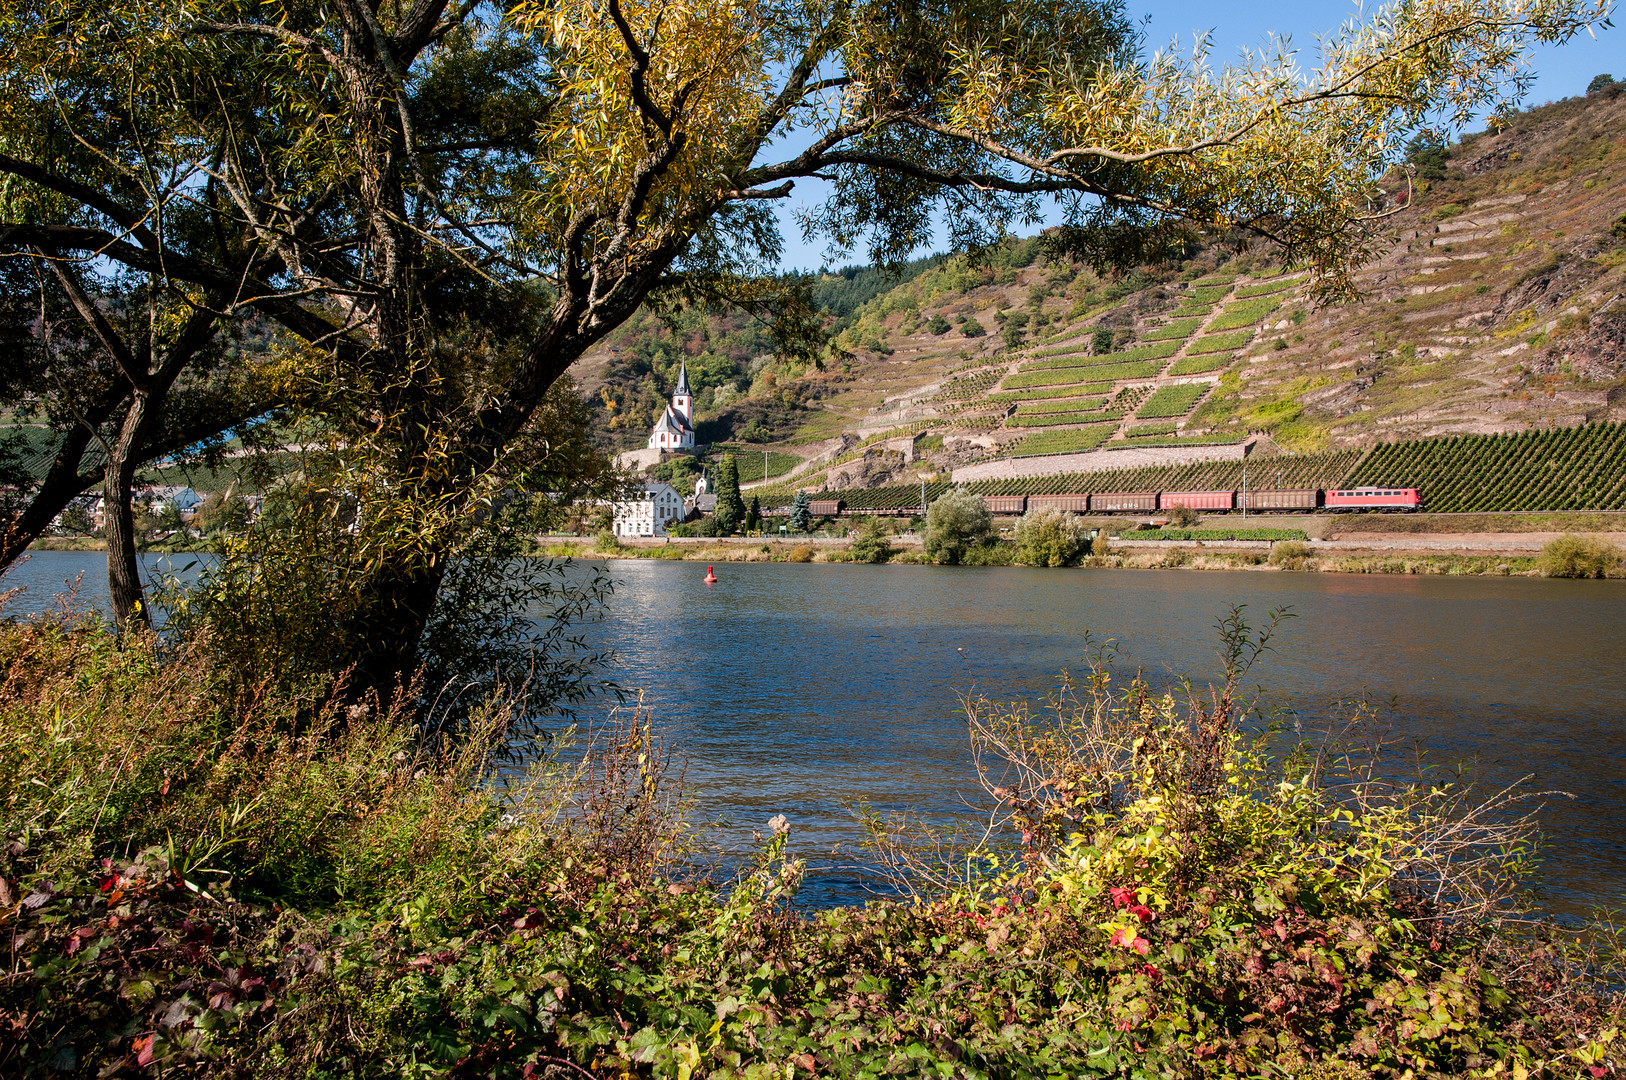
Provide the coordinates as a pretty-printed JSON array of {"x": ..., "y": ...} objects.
[
  {"x": 1141, "y": 945},
  {"x": 143, "y": 1050},
  {"x": 1122, "y": 897}
]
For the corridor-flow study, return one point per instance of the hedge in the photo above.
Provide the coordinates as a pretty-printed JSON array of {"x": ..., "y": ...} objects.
[{"x": 1217, "y": 534}]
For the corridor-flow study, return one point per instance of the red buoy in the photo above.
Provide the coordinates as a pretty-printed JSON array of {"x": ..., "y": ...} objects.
[{"x": 711, "y": 576}]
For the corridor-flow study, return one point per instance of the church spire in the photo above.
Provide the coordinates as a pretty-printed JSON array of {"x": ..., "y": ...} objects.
[{"x": 683, "y": 378}]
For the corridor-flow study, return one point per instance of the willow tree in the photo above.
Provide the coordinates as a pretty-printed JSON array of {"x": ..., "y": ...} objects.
[{"x": 442, "y": 205}]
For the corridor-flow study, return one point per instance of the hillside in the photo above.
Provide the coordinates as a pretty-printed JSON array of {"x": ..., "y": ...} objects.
[{"x": 1498, "y": 307}]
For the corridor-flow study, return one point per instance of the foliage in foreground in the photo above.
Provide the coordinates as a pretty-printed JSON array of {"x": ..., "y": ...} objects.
[{"x": 197, "y": 877}]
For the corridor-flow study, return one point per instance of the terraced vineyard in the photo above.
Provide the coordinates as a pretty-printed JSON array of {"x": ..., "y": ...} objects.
[
  {"x": 1175, "y": 400},
  {"x": 1579, "y": 468}
]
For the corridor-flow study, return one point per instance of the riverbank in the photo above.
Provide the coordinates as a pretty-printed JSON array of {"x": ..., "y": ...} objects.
[
  {"x": 1517, "y": 555},
  {"x": 371, "y": 904}
]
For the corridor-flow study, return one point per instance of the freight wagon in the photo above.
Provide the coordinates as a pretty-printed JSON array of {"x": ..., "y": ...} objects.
[
  {"x": 1117, "y": 502},
  {"x": 825, "y": 507},
  {"x": 1197, "y": 500},
  {"x": 1288, "y": 499},
  {"x": 1374, "y": 498},
  {"x": 1073, "y": 504},
  {"x": 1004, "y": 504}
]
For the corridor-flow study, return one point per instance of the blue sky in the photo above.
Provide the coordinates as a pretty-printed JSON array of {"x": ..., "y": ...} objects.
[{"x": 1562, "y": 71}]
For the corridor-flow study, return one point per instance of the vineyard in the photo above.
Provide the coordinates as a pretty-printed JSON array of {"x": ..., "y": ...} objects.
[
  {"x": 1072, "y": 441},
  {"x": 1201, "y": 365},
  {"x": 1175, "y": 400},
  {"x": 1245, "y": 313},
  {"x": 1213, "y": 343},
  {"x": 1579, "y": 468}
]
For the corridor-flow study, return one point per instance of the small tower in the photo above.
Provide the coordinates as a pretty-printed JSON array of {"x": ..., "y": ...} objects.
[
  {"x": 701, "y": 486},
  {"x": 681, "y": 403}
]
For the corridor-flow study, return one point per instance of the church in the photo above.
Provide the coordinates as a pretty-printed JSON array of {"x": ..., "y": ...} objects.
[{"x": 675, "y": 429}]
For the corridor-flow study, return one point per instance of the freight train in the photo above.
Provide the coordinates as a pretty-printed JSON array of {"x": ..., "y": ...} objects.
[{"x": 1289, "y": 500}]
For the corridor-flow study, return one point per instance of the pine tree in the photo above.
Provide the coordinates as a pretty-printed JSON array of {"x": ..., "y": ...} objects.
[
  {"x": 730, "y": 506},
  {"x": 753, "y": 515},
  {"x": 801, "y": 512}
]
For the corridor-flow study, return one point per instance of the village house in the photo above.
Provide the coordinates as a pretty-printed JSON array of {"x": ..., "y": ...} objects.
[{"x": 648, "y": 513}]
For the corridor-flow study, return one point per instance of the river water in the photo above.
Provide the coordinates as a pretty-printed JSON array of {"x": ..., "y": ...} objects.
[{"x": 806, "y": 690}]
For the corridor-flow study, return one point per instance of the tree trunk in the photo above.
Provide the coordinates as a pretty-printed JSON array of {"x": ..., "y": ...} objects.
[
  {"x": 123, "y": 568},
  {"x": 387, "y": 633}
]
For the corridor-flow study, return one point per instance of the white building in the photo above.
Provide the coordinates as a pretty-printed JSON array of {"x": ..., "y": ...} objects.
[
  {"x": 648, "y": 515},
  {"x": 675, "y": 429}
]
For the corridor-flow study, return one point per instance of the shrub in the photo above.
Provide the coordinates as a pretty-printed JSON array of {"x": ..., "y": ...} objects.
[
  {"x": 1183, "y": 516},
  {"x": 1290, "y": 554},
  {"x": 800, "y": 553},
  {"x": 1101, "y": 340},
  {"x": 872, "y": 544},
  {"x": 1571, "y": 556},
  {"x": 972, "y": 328},
  {"x": 938, "y": 325},
  {"x": 1049, "y": 536},
  {"x": 954, "y": 523},
  {"x": 203, "y": 882}
]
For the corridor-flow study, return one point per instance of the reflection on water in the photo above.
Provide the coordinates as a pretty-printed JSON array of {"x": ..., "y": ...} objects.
[
  {"x": 806, "y": 689},
  {"x": 803, "y": 689}
]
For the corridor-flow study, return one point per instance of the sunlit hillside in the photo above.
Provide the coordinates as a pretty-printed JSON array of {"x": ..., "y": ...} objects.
[{"x": 1496, "y": 308}]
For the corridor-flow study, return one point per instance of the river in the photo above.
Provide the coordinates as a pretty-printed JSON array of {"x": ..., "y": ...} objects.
[{"x": 808, "y": 689}]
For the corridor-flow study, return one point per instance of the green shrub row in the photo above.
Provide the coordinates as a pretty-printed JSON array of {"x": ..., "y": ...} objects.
[
  {"x": 1214, "y": 343},
  {"x": 1062, "y": 419},
  {"x": 1071, "y": 376},
  {"x": 1063, "y": 442},
  {"x": 1217, "y": 534},
  {"x": 1245, "y": 313},
  {"x": 1151, "y": 429},
  {"x": 1068, "y": 405},
  {"x": 1267, "y": 288},
  {"x": 1043, "y": 394},
  {"x": 1177, "y": 329},
  {"x": 1201, "y": 365},
  {"x": 1158, "y": 351},
  {"x": 1172, "y": 400}
]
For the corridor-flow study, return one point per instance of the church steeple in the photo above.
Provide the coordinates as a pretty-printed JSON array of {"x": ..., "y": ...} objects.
[{"x": 682, "y": 403}]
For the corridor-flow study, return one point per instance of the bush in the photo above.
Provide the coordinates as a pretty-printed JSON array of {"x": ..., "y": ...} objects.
[
  {"x": 1049, "y": 536},
  {"x": 1101, "y": 340},
  {"x": 954, "y": 523},
  {"x": 972, "y": 328},
  {"x": 938, "y": 325},
  {"x": 211, "y": 883},
  {"x": 800, "y": 553},
  {"x": 1290, "y": 554},
  {"x": 1183, "y": 516},
  {"x": 1571, "y": 556},
  {"x": 872, "y": 544}
]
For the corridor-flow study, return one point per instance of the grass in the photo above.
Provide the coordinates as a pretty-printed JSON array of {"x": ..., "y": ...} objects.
[
  {"x": 1139, "y": 430},
  {"x": 1063, "y": 442},
  {"x": 1244, "y": 313},
  {"x": 1172, "y": 400}
]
